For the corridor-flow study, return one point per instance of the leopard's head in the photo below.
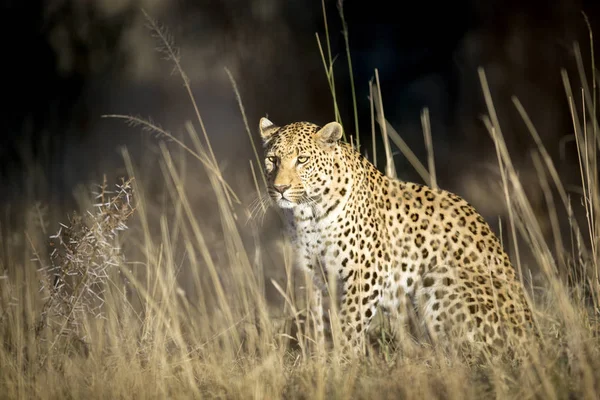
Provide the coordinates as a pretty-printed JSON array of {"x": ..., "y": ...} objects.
[{"x": 300, "y": 160}]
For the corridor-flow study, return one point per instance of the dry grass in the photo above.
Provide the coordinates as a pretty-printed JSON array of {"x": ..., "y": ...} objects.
[{"x": 186, "y": 314}]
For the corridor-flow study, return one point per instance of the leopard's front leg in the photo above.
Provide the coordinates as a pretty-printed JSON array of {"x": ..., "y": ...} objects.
[
  {"x": 316, "y": 312},
  {"x": 359, "y": 305},
  {"x": 306, "y": 261},
  {"x": 315, "y": 307}
]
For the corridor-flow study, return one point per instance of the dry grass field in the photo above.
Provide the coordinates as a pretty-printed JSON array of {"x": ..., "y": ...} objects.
[{"x": 142, "y": 295}]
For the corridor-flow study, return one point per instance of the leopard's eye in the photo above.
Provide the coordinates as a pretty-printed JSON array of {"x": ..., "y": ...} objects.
[
  {"x": 272, "y": 159},
  {"x": 302, "y": 159}
]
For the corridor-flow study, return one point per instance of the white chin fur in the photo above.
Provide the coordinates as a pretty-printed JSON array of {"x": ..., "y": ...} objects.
[{"x": 283, "y": 203}]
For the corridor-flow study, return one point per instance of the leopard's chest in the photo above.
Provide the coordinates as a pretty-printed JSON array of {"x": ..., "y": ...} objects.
[{"x": 316, "y": 244}]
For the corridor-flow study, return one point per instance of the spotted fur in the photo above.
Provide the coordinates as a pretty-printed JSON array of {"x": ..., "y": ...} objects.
[{"x": 403, "y": 247}]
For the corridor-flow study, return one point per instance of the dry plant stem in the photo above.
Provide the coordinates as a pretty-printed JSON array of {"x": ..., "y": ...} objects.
[
  {"x": 215, "y": 171},
  {"x": 593, "y": 63},
  {"x": 590, "y": 98},
  {"x": 517, "y": 202},
  {"x": 591, "y": 191},
  {"x": 582, "y": 146},
  {"x": 142, "y": 208},
  {"x": 238, "y": 97},
  {"x": 345, "y": 32},
  {"x": 496, "y": 133},
  {"x": 426, "y": 123},
  {"x": 150, "y": 127},
  {"x": 595, "y": 131},
  {"x": 373, "y": 134},
  {"x": 84, "y": 251},
  {"x": 238, "y": 258},
  {"x": 173, "y": 56},
  {"x": 411, "y": 157},
  {"x": 330, "y": 80},
  {"x": 236, "y": 247},
  {"x": 290, "y": 284},
  {"x": 295, "y": 313},
  {"x": 586, "y": 181},
  {"x": 330, "y": 62},
  {"x": 199, "y": 237},
  {"x": 390, "y": 169},
  {"x": 541, "y": 251},
  {"x": 510, "y": 179},
  {"x": 167, "y": 285},
  {"x": 179, "y": 221},
  {"x": 543, "y": 180},
  {"x": 388, "y": 132},
  {"x": 549, "y": 164},
  {"x": 177, "y": 226}
]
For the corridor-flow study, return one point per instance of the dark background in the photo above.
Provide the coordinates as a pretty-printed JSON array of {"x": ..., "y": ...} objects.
[{"x": 68, "y": 62}]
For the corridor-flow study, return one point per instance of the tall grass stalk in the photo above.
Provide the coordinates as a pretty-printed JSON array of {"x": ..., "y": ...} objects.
[
  {"x": 346, "y": 34},
  {"x": 390, "y": 169},
  {"x": 328, "y": 61}
]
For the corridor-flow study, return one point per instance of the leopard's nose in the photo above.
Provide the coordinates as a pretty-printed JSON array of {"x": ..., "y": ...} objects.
[{"x": 282, "y": 188}]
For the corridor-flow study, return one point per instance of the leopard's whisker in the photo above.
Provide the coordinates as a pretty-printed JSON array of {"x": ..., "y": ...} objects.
[{"x": 259, "y": 206}]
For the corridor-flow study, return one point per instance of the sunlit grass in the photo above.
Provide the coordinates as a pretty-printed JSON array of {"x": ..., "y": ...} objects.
[{"x": 182, "y": 309}]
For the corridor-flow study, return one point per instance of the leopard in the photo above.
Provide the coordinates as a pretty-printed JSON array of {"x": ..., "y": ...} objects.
[{"x": 422, "y": 255}]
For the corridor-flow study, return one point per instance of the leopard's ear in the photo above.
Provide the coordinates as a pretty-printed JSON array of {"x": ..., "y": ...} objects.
[
  {"x": 267, "y": 129},
  {"x": 329, "y": 134}
]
